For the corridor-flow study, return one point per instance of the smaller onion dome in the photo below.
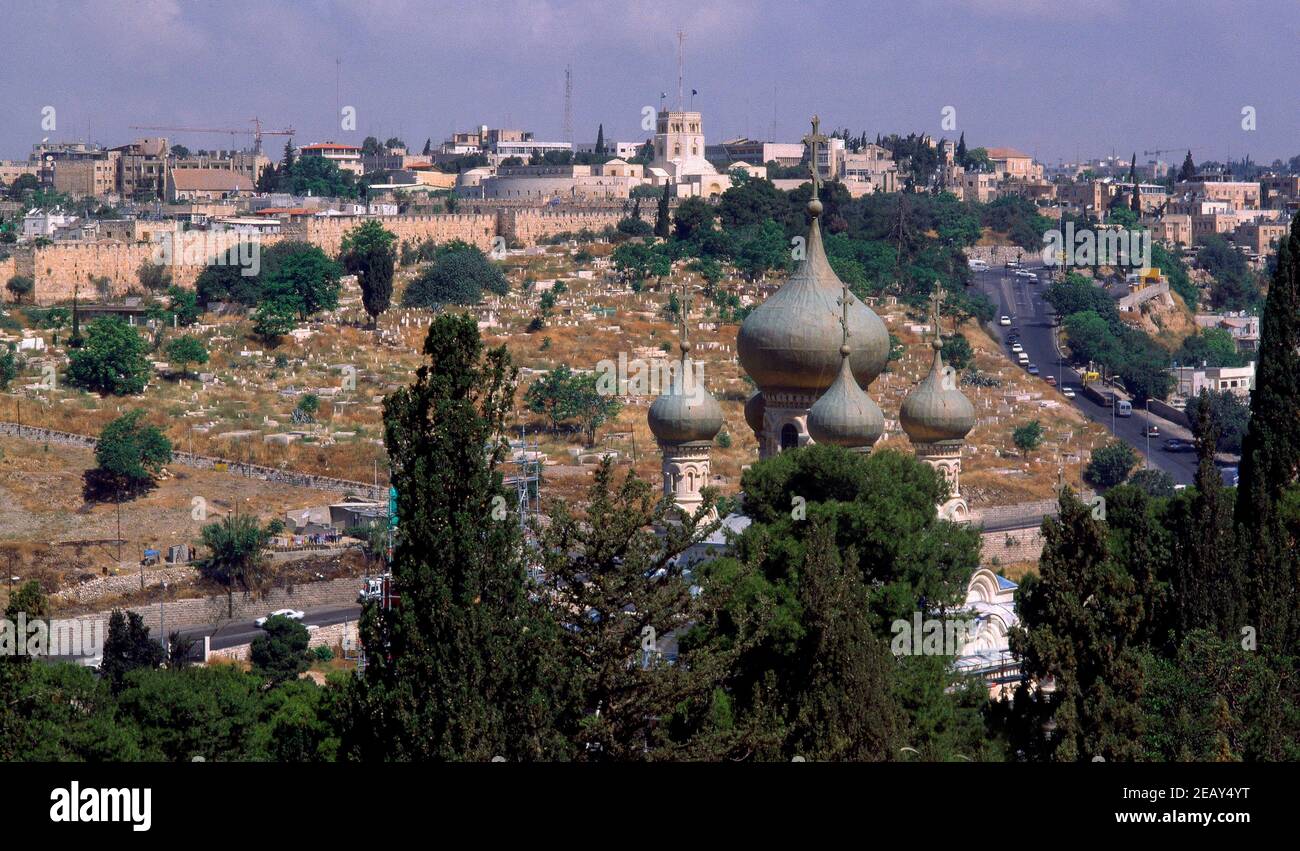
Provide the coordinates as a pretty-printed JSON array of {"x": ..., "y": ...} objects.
[
  {"x": 845, "y": 415},
  {"x": 687, "y": 412},
  {"x": 754, "y": 408},
  {"x": 933, "y": 412}
]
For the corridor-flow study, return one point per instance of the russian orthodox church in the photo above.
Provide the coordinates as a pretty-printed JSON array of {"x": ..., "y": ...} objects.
[{"x": 813, "y": 349}]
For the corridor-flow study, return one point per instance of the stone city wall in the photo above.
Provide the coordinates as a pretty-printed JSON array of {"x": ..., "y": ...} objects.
[
  {"x": 63, "y": 268},
  {"x": 328, "y": 232},
  {"x": 526, "y": 227}
]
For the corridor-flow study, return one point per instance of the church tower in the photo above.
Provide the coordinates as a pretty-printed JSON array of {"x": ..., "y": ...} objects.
[
  {"x": 790, "y": 344},
  {"x": 684, "y": 421},
  {"x": 937, "y": 417}
]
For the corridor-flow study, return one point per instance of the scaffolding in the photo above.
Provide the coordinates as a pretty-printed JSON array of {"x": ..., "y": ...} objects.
[{"x": 526, "y": 457}]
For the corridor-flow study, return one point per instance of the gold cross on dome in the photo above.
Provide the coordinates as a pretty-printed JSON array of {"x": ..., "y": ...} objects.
[
  {"x": 844, "y": 314},
  {"x": 936, "y": 299},
  {"x": 683, "y": 311},
  {"x": 813, "y": 140}
]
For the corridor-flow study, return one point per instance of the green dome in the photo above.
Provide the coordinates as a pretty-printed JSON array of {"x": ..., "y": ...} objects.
[
  {"x": 845, "y": 415},
  {"x": 792, "y": 340},
  {"x": 932, "y": 413},
  {"x": 679, "y": 416}
]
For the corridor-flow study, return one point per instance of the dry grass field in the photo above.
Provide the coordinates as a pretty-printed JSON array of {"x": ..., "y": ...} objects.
[{"x": 254, "y": 388}]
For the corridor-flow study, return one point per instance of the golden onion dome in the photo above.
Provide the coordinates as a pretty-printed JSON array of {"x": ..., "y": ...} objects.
[
  {"x": 936, "y": 411},
  {"x": 791, "y": 341}
]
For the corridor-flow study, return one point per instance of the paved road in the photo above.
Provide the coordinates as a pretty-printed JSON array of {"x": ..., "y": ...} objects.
[
  {"x": 243, "y": 632},
  {"x": 1022, "y": 300}
]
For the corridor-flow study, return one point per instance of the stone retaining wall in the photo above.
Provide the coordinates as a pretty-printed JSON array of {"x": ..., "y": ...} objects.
[
  {"x": 334, "y": 635},
  {"x": 1010, "y": 546},
  {"x": 208, "y": 611}
]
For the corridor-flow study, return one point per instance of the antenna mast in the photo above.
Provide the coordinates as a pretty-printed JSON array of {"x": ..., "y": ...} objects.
[
  {"x": 568, "y": 103},
  {"x": 681, "y": 65}
]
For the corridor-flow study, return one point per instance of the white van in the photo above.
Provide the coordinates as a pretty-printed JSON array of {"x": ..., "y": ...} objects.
[
  {"x": 977, "y": 265},
  {"x": 1023, "y": 358},
  {"x": 1123, "y": 409}
]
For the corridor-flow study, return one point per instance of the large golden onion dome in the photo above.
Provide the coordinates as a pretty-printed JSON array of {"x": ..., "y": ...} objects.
[{"x": 791, "y": 341}]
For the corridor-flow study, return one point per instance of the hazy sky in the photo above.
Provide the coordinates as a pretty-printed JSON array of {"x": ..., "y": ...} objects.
[{"x": 1052, "y": 78}]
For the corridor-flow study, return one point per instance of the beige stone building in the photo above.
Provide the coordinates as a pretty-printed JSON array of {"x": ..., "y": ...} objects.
[
  {"x": 1242, "y": 195},
  {"x": 1012, "y": 164}
]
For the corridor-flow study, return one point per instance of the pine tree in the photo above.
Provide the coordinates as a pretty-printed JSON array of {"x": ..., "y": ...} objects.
[
  {"x": 1188, "y": 170},
  {"x": 1270, "y": 455},
  {"x": 624, "y": 595},
  {"x": 428, "y": 146},
  {"x": 461, "y": 667}
]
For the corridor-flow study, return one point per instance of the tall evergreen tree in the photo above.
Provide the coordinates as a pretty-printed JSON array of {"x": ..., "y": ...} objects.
[
  {"x": 1188, "y": 170},
  {"x": 662, "y": 223},
  {"x": 1207, "y": 580},
  {"x": 1271, "y": 455},
  {"x": 461, "y": 667},
  {"x": 369, "y": 252},
  {"x": 961, "y": 150},
  {"x": 600, "y": 139},
  {"x": 1079, "y": 619},
  {"x": 623, "y": 593}
]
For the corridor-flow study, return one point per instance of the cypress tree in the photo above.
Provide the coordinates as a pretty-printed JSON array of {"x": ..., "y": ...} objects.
[
  {"x": 1188, "y": 171},
  {"x": 1079, "y": 623},
  {"x": 462, "y": 667},
  {"x": 1270, "y": 455},
  {"x": 961, "y": 150},
  {"x": 600, "y": 139},
  {"x": 662, "y": 223},
  {"x": 1207, "y": 582}
]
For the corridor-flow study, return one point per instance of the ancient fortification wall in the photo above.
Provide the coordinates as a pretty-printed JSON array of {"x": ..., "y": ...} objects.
[
  {"x": 328, "y": 233},
  {"x": 62, "y": 268},
  {"x": 526, "y": 227}
]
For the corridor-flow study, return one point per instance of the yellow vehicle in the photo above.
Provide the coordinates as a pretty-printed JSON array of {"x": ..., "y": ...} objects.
[{"x": 1091, "y": 376}]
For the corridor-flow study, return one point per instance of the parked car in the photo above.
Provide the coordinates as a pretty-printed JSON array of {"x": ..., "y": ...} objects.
[
  {"x": 1033, "y": 369},
  {"x": 1068, "y": 392},
  {"x": 1152, "y": 430},
  {"x": 1005, "y": 320},
  {"x": 1051, "y": 380},
  {"x": 291, "y": 614},
  {"x": 1177, "y": 444},
  {"x": 1017, "y": 348}
]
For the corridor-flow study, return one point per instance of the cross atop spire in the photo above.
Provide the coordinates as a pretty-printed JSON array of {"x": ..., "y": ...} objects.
[
  {"x": 844, "y": 315},
  {"x": 683, "y": 310},
  {"x": 936, "y": 304},
  {"x": 814, "y": 140}
]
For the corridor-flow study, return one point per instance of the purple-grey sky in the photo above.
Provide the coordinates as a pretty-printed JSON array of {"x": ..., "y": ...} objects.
[{"x": 1054, "y": 79}]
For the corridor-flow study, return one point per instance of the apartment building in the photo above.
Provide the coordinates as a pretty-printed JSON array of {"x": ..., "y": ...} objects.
[
  {"x": 346, "y": 157},
  {"x": 1242, "y": 195}
]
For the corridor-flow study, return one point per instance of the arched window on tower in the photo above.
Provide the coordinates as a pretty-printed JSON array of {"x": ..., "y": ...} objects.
[{"x": 789, "y": 437}]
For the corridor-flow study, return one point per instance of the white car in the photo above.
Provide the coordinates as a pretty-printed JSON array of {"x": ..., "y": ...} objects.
[
  {"x": 1005, "y": 320},
  {"x": 1068, "y": 392},
  {"x": 1017, "y": 348},
  {"x": 291, "y": 614}
]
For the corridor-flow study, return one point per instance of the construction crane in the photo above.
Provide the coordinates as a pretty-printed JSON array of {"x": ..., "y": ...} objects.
[
  {"x": 1158, "y": 151},
  {"x": 257, "y": 132}
]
